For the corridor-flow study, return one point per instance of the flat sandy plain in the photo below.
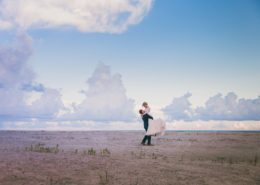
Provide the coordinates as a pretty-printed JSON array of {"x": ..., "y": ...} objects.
[{"x": 114, "y": 157}]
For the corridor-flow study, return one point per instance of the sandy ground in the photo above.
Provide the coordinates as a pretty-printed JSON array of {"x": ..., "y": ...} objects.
[{"x": 177, "y": 158}]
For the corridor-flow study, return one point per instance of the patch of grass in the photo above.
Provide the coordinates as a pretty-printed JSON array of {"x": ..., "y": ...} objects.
[
  {"x": 135, "y": 183},
  {"x": 105, "y": 179},
  {"x": 255, "y": 159},
  {"x": 41, "y": 148},
  {"x": 56, "y": 148},
  {"x": 181, "y": 158},
  {"x": 165, "y": 158},
  {"x": 221, "y": 159},
  {"x": 141, "y": 155},
  {"x": 105, "y": 152},
  {"x": 154, "y": 156},
  {"x": 230, "y": 161},
  {"x": 133, "y": 154},
  {"x": 91, "y": 151}
]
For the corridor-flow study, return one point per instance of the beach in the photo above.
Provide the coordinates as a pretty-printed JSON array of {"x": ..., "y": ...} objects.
[{"x": 117, "y": 157}]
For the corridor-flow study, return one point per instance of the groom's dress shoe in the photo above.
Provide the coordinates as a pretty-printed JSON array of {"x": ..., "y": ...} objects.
[{"x": 142, "y": 143}]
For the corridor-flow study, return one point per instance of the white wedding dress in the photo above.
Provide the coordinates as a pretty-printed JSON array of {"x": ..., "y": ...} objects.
[{"x": 156, "y": 126}]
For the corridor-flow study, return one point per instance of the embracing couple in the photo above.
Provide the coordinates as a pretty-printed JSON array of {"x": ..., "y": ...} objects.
[{"x": 152, "y": 127}]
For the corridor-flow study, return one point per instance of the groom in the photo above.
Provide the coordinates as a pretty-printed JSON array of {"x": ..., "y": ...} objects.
[{"x": 145, "y": 118}]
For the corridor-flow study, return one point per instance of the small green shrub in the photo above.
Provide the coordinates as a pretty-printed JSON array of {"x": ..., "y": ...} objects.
[
  {"x": 105, "y": 152},
  {"x": 41, "y": 148},
  {"x": 91, "y": 151}
]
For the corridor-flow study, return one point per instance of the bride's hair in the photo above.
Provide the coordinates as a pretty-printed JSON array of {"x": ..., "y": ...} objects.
[
  {"x": 141, "y": 111},
  {"x": 145, "y": 103}
]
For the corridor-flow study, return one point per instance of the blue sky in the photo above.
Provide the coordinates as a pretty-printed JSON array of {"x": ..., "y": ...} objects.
[
  {"x": 197, "y": 46},
  {"x": 178, "y": 46}
]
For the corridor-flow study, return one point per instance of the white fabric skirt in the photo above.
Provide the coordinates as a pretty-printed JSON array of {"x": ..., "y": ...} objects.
[{"x": 156, "y": 126}]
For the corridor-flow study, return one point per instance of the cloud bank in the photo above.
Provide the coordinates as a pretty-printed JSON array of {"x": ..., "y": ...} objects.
[
  {"x": 17, "y": 83},
  {"x": 110, "y": 16},
  {"x": 216, "y": 108},
  {"x": 105, "y": 100}
]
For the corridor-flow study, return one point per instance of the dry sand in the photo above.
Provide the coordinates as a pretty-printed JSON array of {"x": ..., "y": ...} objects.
[{"x": 177, "y": 158}]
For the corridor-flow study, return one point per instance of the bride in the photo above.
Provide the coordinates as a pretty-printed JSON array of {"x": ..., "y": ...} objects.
[{"x": 155, "y": 126}]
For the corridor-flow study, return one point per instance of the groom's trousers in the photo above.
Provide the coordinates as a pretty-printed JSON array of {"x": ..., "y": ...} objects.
[{"x": 146, "y": 138}]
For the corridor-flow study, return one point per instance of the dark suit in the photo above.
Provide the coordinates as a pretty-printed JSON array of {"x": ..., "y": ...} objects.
[{"x": 146, "y": 124}]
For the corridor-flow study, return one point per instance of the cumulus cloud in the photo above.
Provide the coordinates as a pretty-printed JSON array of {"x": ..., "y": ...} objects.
[
  {"x": 105, "y": 100},
  {"x": 216, "y": 108},
  {"x": 179, "y": 109},
  {"x": 14, "y": 69},
  {"x": 230, "y": 108},
  {"x": 4, "y": 25},
  {"x": 113, "y": 16},
  {"x": 17, "y": 81}
]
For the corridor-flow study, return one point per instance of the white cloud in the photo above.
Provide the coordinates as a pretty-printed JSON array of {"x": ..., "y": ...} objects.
[
  {"x": 4, "y": 25},
  {"x": 216, "y": 108},
  {"x": 14, "y": 69},
  {"x": 179, "y": 109},
  {"x": 21, "y": 98},
  {"x": 113, "y": 16},
  {"x": 230, "y": 108},
  {"x": 16, "y": 82},
  {"x": 105, "y": 100}
]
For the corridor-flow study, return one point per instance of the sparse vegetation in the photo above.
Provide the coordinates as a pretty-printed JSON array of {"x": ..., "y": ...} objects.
[
  {"x": 41, "y": 148},
  {"x": 91, "y": 151},
  {"x": 230, "y": 161},
  {"x": 132, "y": 154},
  {"x": 141, "y": 155},
  {"x": 255, "y": 159},
  {"x": 181, "y": 158},
  {"x": 106, "y": 179},
  {"x": 193, "y": 140},
  {"x": 105, "y": 152},
  {"x": 154, "y": 156},
  {"x": 165, "y": 158},
  {"x": 135, "y": 183},
  {"x": 221, "y": 159}
]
